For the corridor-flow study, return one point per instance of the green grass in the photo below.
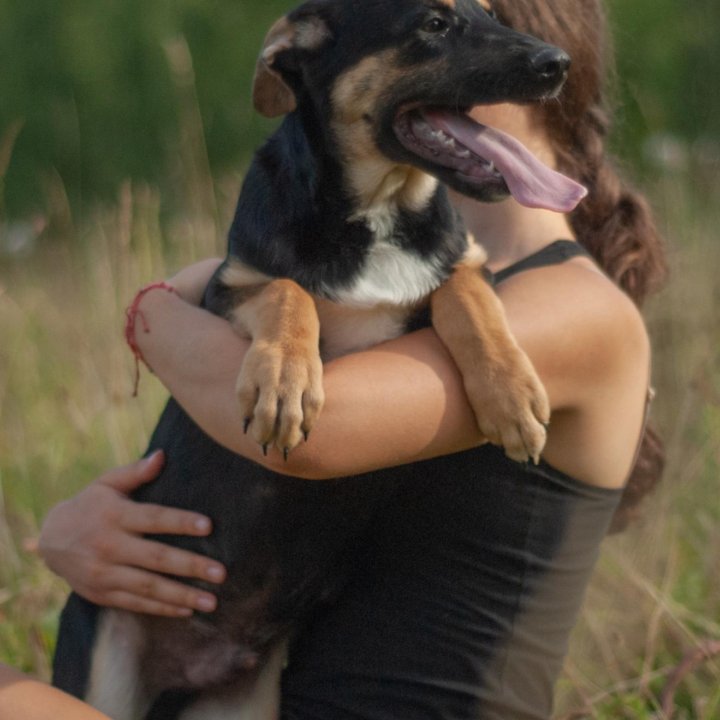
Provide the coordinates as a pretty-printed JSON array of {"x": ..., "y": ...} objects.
[{"x": 66, "y": 414}]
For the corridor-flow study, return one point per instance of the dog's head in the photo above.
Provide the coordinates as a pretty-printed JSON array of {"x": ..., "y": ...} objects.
[{"x": 397, "y": 77}]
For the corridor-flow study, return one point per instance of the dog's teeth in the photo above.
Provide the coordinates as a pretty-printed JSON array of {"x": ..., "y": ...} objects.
[{"x": 435, "y": 141}]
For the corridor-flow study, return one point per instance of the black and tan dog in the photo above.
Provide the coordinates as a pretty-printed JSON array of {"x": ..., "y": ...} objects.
[{"x": 342, "y": 238}]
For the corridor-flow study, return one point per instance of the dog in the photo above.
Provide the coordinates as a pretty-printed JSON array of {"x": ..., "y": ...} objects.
[{"x": 343, "y": 233}]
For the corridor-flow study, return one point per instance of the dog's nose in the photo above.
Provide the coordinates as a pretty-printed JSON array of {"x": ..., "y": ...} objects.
[{"x": 550, "y": 63}]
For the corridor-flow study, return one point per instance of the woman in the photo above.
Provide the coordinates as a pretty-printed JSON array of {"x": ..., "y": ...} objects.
[{"x": 472, "y": 576}]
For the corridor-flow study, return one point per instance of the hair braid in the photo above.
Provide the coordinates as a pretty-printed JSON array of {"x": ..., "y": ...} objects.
[{"x": 614, "y": 222}]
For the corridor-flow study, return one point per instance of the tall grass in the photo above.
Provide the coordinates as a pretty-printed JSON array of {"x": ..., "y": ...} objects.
[
  {"x": 656, "y": 595},
  {"x": 66, "y": 411},
  {"x": 66, "y": 414}
]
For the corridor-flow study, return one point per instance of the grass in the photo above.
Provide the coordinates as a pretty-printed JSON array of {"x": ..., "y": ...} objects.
[
  {"x": 656, "y": 594},
  {"x": 66, "y": 414}
]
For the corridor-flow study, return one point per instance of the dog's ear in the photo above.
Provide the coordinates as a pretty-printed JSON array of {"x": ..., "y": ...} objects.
[{"x": 272, "y": 96}]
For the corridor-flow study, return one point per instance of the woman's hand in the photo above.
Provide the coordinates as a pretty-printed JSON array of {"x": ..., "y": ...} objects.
[{"x": 95, "y": 541}]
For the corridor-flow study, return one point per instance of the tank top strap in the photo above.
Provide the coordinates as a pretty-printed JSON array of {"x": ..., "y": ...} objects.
[{"x": 553, "y": 254}]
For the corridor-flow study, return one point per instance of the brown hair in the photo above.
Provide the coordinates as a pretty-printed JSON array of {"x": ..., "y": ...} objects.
[{"x": 614, "y": 222}]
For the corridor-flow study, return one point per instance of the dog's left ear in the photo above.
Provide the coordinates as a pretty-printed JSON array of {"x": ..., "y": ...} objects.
[{"x": 272, "y": 96}]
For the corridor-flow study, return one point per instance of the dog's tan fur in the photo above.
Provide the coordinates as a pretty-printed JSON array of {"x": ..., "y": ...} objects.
[
  {"x": 280, "y": 383},
  {"x": 377, "y": 182},
  {"x": 499, "y": 380}
]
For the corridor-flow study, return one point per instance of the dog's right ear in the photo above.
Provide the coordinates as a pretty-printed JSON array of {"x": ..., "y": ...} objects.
[{"x": 272, "y": 96}]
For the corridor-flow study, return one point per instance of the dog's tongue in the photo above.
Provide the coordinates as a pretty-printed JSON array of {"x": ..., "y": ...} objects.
[{"x": 531, "y": 183}]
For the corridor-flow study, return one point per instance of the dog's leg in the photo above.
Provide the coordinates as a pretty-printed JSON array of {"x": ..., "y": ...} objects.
[
  {"x": 115, "y": 686},
  {"x": 261, "y": 701},
  {"x": 280, "y": 383},
  {"x": 508, "y": 399}
]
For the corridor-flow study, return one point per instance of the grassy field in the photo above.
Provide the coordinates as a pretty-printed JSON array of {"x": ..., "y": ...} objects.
[{"x": 66, "y": 414}]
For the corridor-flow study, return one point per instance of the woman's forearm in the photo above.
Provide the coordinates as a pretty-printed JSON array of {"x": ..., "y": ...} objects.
[
  {"x": 374, "y": 415},
  {"x": 29, "y": 699}
]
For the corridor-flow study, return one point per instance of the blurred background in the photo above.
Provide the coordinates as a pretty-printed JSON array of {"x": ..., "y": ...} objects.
[
  {"x": 95, "y": 92},
  {"x": 125, "y": 127}
]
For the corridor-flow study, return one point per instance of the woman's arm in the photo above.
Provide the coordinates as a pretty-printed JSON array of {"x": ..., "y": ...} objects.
[
  {"x": 198, "y": 357},
  {"x": 23, "y": 698},
  {"x": 404, "y": 400}
]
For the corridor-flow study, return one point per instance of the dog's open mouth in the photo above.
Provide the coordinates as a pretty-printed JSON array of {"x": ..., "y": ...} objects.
[{"x": 483, "y": 156}]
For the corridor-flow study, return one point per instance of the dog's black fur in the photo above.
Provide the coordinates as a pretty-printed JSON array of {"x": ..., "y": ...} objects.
[
  {"x": 292, "y": 215},
  {"x": 287, "y": 542}
]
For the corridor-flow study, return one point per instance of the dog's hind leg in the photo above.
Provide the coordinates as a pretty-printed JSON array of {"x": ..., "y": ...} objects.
[
  {"x": 259, "y": 701},
  {"x": 115, "y": 686}
]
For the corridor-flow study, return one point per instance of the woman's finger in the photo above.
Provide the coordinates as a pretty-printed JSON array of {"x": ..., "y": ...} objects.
[
  {"x": 126, "y": 601},
  {"x": 130, "y": 582},
  {"x": 146, "y": 518},
  {"x": 161, "y": 558},
  {"x": 127, "y": 478}
]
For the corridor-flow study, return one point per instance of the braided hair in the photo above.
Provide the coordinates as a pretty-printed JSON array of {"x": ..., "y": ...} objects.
[{"x": 614, "y": 223}]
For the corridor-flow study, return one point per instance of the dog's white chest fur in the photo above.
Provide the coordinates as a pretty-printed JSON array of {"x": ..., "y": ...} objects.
[{"x": 391, "y": 275}]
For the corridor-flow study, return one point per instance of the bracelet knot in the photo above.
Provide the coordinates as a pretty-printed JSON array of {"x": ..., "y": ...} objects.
[{"x": 132, "y": 313}]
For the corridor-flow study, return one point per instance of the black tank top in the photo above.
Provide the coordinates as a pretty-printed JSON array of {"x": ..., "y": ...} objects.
[
  {"x": 554, "y": 254},
  {"x": 463, "y": 594}
]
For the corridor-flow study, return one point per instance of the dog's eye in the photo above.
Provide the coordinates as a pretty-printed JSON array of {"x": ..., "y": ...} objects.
[
  {"x": 493, "y": 15},
  {"x": 436, "y": 25}
]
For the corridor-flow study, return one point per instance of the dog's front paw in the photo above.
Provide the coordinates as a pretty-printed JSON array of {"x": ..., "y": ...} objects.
[
  {"x": 280, "y": 393},
  {"x": 510, "y": 404}
]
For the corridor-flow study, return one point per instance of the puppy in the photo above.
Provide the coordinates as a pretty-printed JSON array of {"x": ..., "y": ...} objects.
[{"x": 343, "y": 237}]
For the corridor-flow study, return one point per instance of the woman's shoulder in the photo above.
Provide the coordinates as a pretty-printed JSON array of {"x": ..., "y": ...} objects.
[
  {"x": 590, "y": 347},
  {"x": 588, "y": 324}
]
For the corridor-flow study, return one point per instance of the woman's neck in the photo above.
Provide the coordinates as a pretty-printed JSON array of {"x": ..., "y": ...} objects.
[{"x": 510, "y": 232}]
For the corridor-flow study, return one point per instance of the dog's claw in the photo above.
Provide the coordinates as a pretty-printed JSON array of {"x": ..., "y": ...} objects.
[
  {"x": 280, "y": 394},
  {"x": 513, "y": 411}
]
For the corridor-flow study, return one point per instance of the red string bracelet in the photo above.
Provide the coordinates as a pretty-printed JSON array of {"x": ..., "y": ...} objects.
[{"x": 131, "y": 315}]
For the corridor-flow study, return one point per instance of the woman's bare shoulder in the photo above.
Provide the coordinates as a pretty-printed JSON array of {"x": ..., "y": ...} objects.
[
  {"x": 590, "y": 347},
  {"x": 578, "y": 326}
]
